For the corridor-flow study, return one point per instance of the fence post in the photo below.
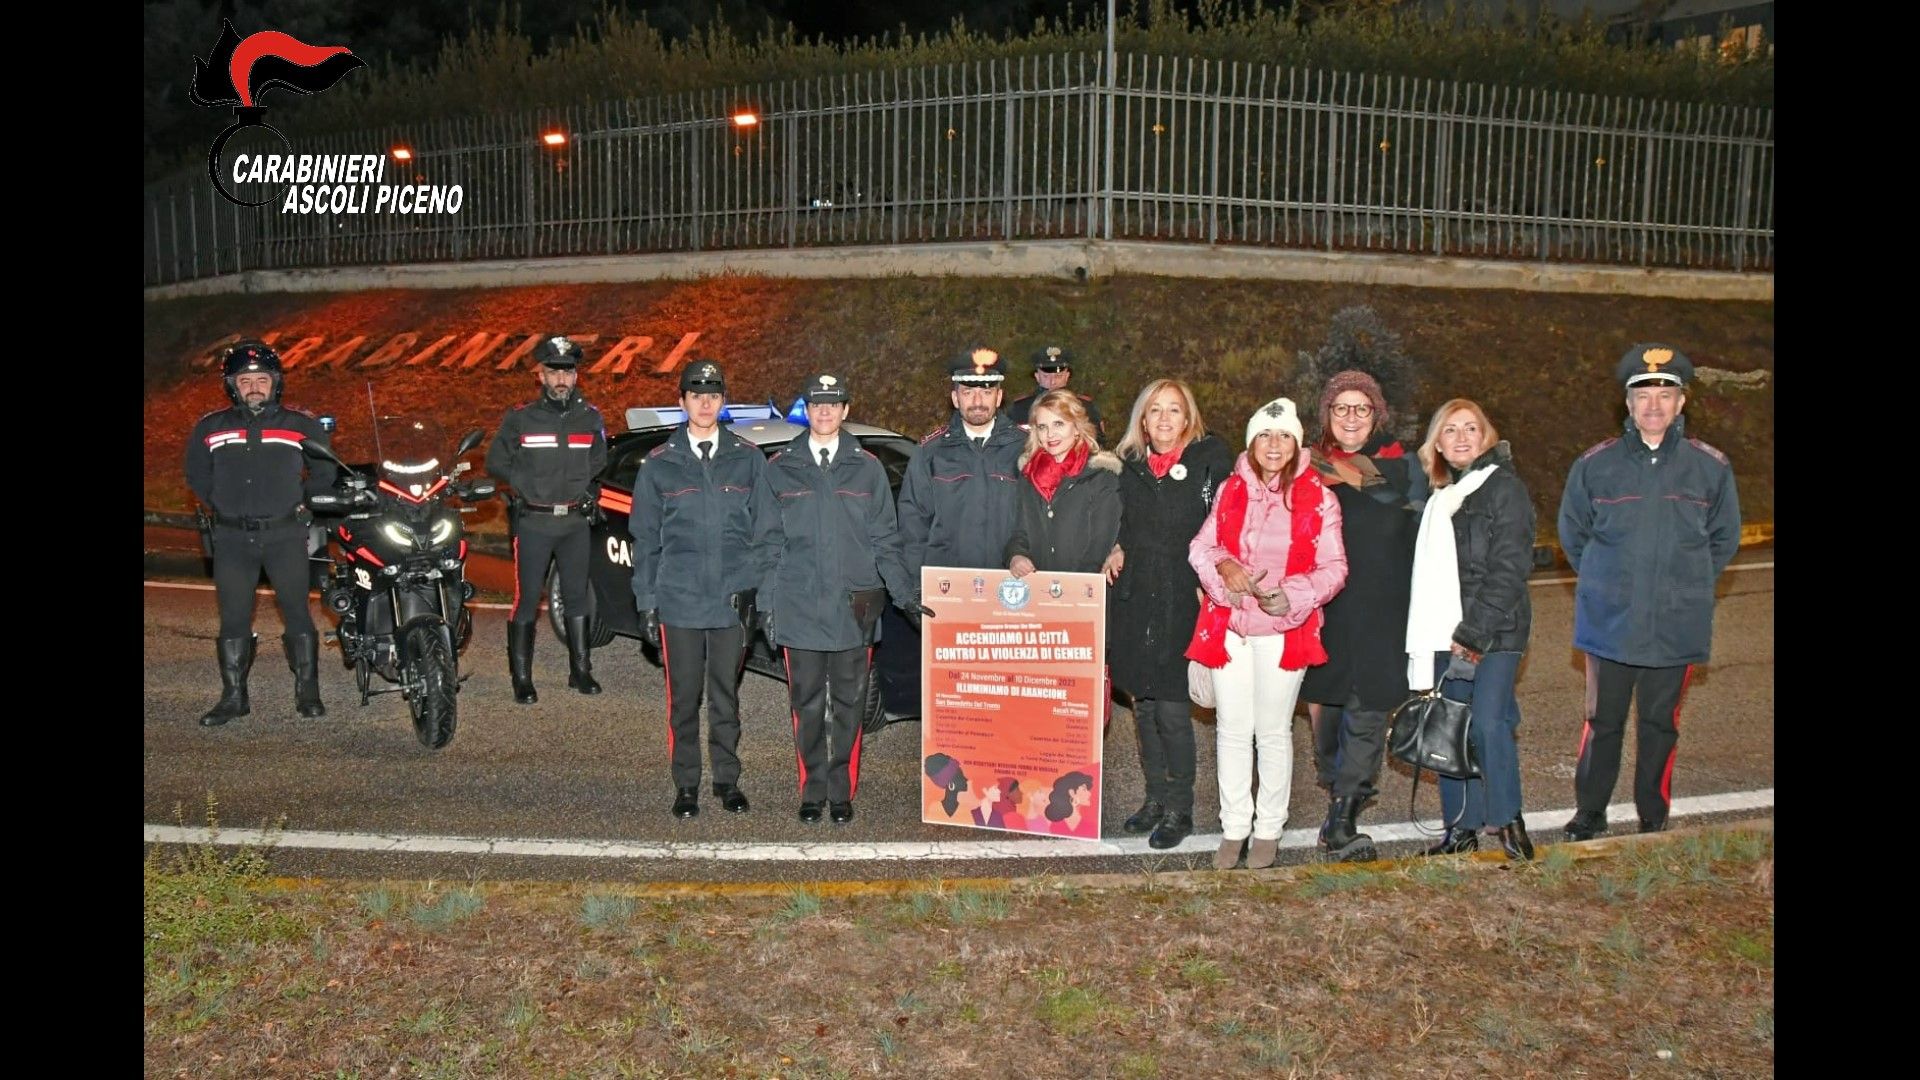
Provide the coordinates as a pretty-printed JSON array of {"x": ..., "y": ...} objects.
[
  {"x": 1213, "y": 172},
  {"x": 792, "y": 171},
  {"x": 1333, "y": 175},
  {"x": 1106, "y": 185},
  {"x": 1646, "y": 198},
  {"x": 1745, "y": 207},
  {"x": 1006, "y": 170}
]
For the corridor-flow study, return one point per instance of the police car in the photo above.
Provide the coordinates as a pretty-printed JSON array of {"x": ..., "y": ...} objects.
[{"x": 894, "y": 691}]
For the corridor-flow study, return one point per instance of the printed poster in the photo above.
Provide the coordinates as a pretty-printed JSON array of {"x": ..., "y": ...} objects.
[{"x": 1013, "y": 700}]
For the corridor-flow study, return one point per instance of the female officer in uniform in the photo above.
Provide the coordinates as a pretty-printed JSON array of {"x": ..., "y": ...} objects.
[{"x": 831, "y": 554}]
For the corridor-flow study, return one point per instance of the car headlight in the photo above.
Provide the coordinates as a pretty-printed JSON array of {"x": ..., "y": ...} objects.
[
  {"x": 397, "y": 532},
  {"x": 444, "y": 530}
]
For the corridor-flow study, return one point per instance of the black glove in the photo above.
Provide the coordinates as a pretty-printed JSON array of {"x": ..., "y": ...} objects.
[
  {"x": 650, "y": 627},
  {"x": 1459, "y": 667},
  {"x": 914, "y": 610}
]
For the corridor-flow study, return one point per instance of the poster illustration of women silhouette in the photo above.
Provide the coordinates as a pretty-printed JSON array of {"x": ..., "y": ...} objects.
[{"x": 1013, "y": 693}]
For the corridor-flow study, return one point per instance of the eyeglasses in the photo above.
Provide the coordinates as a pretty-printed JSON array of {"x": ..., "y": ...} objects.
[{"x": 1361, "y": 411}]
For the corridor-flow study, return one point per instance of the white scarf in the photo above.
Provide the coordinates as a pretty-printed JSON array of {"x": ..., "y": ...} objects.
[{"x": 1435, "y": 611}]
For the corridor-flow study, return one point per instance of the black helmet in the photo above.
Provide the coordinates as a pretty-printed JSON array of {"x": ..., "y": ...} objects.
[{"x": 248, "y": 356}]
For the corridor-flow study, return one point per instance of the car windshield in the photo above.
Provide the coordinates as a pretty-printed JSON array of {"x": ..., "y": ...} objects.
[{"x": 413, "y": 449}]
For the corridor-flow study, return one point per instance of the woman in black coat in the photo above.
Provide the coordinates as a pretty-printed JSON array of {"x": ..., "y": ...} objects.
[
  {"x": 1170, "y": 469},
  {"x": 1381, "y": 489},
  {"x": 1067, "y": 515}
]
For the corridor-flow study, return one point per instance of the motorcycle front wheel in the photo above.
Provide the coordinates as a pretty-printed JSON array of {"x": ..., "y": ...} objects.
[{"x": 432, "y": 682}]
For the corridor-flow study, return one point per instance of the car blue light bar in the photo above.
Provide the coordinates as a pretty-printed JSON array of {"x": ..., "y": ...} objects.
[
  {"x": 669, "y": 415},
  {"x": 798, "y": 414}
]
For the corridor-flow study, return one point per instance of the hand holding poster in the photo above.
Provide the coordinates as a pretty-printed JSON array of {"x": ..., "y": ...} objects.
[{"x": 1013, "y": 700}]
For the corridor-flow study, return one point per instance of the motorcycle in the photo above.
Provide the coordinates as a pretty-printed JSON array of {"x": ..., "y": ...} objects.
[{"x": 399, "y": 586}]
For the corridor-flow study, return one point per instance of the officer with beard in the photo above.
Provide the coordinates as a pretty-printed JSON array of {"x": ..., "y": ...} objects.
[
  {"x": 549, "y": 450},
  {"x": 247, "y": 465},
  {"x": 956, "y": 502}
]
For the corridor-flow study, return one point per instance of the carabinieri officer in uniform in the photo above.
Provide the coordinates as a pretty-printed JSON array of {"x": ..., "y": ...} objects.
[
  {"x": 549, "y": 450},
  {"x": 247, "y": 464},
  {"x": 831, "y": 556},
  {"x": 699, "y": 504}
]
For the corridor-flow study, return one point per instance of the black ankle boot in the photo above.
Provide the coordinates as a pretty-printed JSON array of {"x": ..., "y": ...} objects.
[
  {"x": 520, "y": 662},
  {"x": 580, "y": 656},
  {"x": 1345, "y": 841},
  {"x": 303, "y": 659},
  {"x": 236, "y": 660},
  {"x": 1515, "y": 842},
  {"x": 1174, "y": 827},
  {"x": 1145, "y": 818},
  {"x": 1455, "y": 841}
]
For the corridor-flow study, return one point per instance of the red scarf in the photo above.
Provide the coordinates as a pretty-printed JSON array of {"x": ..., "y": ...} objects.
[
  {"x": 1048, "y": 473},
  {"x": 1160, "y": 463},
  {"x": 1302, "y": 647}
]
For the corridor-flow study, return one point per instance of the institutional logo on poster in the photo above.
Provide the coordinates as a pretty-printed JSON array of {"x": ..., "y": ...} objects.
[
  {"x": 979, "y": 586},
  {"x": 1013, "y": 594},
  {"x": 242, "y": 71},
  {"x": 946, "y": 585},
  {"x": 1054, "y": 590}
]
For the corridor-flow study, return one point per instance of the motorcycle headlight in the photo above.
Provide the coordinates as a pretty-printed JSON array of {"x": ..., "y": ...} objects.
[
  {"x": 444, "y": 530},
  {"x": 397, "y": 532}
]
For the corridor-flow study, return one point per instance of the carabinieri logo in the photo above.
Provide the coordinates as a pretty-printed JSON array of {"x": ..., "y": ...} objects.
[
  {"x": 242, "y": 71},
  {"x": 1013, "y": 594}
]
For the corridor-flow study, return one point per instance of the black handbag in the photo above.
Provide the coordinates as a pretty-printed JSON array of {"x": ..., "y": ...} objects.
[{"x": 1429, "y": 731}]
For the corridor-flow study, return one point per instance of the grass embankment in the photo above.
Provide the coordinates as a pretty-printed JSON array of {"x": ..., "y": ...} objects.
[
  {"x": 1541, "y": 363},
  {"x": 1638, "y": 956}
]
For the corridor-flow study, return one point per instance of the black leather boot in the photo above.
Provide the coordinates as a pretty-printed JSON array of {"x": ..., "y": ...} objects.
[
  {"x": 1145, "y": 818},
  {"x": 520, "y": 662},
  {"x": 580, "y": 656},
  {"x": 236, "y": 659},
  {"x": 1515, "y": 841},
  {"x": 1345, "y": 842},
  {"x": 1454, "y": 841},
  {"x": 303, "y": 659}
]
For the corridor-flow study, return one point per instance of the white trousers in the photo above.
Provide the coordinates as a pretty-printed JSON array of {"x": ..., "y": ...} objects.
[{"x": 1253, "y": 720}]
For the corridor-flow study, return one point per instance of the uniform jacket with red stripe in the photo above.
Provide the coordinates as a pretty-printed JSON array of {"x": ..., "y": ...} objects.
[
  {"x": 694, "y": 524},
  {"x": 1649, "y": 532},
  {"x": 835, "y": 532},
  {"x": 547, "y": 452},
  {"x": 246, "y": 465}
]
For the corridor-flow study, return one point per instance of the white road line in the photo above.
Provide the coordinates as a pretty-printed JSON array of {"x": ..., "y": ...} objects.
[{"x": 1546, "y": 829}]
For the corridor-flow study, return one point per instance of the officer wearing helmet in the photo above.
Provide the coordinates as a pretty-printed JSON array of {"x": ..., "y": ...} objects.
[
  {"x": 549, "y": 450},
  {"x": 246, "y": 464}
]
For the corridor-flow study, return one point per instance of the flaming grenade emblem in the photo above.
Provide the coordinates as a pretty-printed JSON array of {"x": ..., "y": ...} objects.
[{"x": 241, "y": 72}]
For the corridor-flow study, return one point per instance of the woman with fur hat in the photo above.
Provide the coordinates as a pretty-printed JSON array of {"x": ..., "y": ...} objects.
[
  {"x": 1269, "y": 557},
  {"x": 1381, "y": 489}
]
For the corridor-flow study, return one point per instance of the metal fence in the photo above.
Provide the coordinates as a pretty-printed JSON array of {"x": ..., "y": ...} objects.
[{"x": 1043, "y": 148}]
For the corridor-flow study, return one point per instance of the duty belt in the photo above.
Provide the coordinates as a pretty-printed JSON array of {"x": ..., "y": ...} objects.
[
  {"x": 254, "y": 524},
  {"x": 558, "y": 509}
]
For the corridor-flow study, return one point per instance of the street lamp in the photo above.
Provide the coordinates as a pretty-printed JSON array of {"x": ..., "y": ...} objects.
[{"x": 554, "y": 138}]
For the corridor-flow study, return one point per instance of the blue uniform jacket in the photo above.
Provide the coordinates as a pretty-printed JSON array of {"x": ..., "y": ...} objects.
[
  {"x": 833, "y": 532},
  {"x": 1649, "y": 533},
  {"x": 695, "y": 525}
]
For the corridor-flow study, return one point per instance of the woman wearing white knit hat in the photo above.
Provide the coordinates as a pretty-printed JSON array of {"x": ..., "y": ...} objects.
[{"x": 1269, "y": 557}]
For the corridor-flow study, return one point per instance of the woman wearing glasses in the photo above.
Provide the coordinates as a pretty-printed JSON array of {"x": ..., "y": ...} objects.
[{"x": 1381, "y": 489}]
